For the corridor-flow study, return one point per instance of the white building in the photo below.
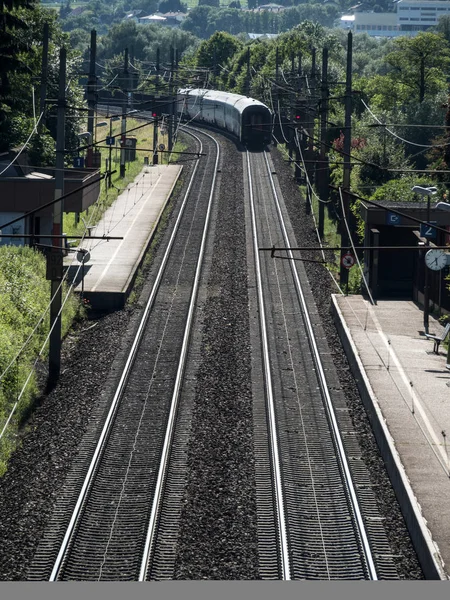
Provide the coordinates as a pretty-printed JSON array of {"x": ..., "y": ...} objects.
[
  {"x": 374, "y": 24},
  {"x": 411, "y": 17},
  {"x": 420, "y": 15}
]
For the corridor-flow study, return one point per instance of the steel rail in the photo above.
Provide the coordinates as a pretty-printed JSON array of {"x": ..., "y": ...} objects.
[
  {"x": 323, "y": 384},
  {"x": 274, "y": 450},
  {"x": 118, "y": 394},
  {"x": 165, "y": 455}
]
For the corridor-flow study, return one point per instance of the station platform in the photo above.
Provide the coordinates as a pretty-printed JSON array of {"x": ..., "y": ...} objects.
[
  {"x": 107, "y": 277},
  {"x": 406, "y": 390}
]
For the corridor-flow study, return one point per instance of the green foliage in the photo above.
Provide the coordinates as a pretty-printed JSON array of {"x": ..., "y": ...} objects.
[
  {"x": 145, "y": 40},
  {"x": 24, "y": 297},
  {"x": 400, "y": 190},
  {"x": 419, "y": 63},
  {"x": 166, "y": 6},
  {"x": 217, "y": 50}
]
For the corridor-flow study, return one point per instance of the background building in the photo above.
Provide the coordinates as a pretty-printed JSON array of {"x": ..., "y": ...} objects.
[{"x": 411, "y": 17}]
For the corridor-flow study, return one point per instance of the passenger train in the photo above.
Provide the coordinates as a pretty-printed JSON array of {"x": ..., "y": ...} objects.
[{"x": 247, "y": 119}]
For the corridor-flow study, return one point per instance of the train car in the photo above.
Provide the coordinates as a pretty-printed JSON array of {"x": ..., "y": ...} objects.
[{"x": 247, "y": 119}]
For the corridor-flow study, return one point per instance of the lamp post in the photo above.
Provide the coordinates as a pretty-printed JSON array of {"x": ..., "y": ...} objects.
[{"x": 426, "y": 191}]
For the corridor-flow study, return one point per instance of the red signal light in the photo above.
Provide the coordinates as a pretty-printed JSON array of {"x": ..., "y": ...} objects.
[
  {"x": 154, "y": 114},
  {"x": 297, "y": 117}
]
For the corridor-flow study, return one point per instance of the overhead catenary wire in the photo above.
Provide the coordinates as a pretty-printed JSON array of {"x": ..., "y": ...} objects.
[
  {"x": 36, "y": 125},
  {"x": 405, "y": 141}
]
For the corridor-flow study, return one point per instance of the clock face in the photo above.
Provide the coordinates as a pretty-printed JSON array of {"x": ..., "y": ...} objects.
[{"x": 435, "y": 259}]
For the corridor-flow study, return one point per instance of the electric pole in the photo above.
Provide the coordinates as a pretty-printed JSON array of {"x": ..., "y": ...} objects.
[
  {"x": 171, "y": 101},
  {"x": 55, "y": 256},
  {"x": 345, "y": 240},
  {"x": 323, "y": 176},
  {"x": 247, "y": 78},
  {"x": 91, "y": 89},
  {"x": 44, "y": 75},
  {"x": 124, "y": 117}
]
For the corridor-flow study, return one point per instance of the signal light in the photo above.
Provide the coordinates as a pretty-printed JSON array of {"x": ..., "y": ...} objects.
[
  {"x": 297, "y": 117},
  {"x": 154, "y": 114}
]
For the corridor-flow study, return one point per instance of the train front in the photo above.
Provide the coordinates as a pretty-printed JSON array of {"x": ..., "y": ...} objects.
[{"x": 256, "y": 125}]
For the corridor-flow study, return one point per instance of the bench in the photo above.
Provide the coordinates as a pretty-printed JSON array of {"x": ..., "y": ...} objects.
[{"x": 438, "y": 338}]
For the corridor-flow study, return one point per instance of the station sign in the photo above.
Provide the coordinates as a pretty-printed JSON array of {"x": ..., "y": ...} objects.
[
  {"x": 427, "y": 231},
  {"x": 78, "y": 162},
  {"x": 393, "y": 218}
]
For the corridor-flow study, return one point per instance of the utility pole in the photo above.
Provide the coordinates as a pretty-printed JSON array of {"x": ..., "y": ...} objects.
[
  {"x": 55, "y": 256},
  {"x": 300, "y": 72},
  {"x": 345, "y": 241},
  {"x": 157, "y": 71},
  {"x": 91, "y": 89},
  {"x": 171, "y": 100},
  {"x": 247, "y": 79},
  {"x": 155, "y": 140},
  {"x": 312, "y": 103},
  {"x": 275, "y": 96},
  {"x": 124, "y": 118},
  {"x": 323, "y": 177},
  {"x": 44, "y": 75}
]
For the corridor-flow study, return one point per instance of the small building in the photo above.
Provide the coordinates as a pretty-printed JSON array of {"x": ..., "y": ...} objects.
[
  {"x": 271, "y": 7},
  {"x": 397, "y": 272},
  {"x": 152, "y": 20},
  {"x": 173, "y": 19},
  {"x": 262, "y": 36},
  {"x": 23, "y": 190}
]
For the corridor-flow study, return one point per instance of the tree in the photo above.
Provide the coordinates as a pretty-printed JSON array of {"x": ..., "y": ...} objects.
[
  {"x": 166, "y": 6},
  {"x": 217, "y": 50},
  {"x": 420, "y": 63},
  {"x": 11, "y": 48},
  {"x": 197, "y": 21},
  {"x": 443, "y": 26}
]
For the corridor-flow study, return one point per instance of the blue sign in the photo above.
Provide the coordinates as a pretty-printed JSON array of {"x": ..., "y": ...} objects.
[
  {"x": 110, "y": 141},
  {"x": 393, "y": 218},
  {"x": 78, "y": 162},
  {"x": 427, "y": 231}
]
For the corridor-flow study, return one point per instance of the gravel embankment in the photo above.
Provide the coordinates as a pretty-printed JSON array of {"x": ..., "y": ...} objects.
[{"x": 49, "y": 441}]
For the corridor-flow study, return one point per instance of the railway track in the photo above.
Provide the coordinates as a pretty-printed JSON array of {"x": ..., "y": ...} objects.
[
  {"x": 321, "y": 520},
  {"x": 316, "y": 508},
  {"x": 120, "y": 510}
]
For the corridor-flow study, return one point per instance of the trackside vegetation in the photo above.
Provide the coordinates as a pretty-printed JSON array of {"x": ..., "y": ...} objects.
[{"x": 24, "y": 327}]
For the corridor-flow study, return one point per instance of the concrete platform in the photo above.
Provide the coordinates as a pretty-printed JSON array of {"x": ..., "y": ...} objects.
[
  {"x": 110, "y": 272},
  {"x": 405, "y": 387}
]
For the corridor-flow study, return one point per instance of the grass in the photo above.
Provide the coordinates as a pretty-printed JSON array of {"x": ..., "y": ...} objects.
[
  {"x": 25, "y": 295},
  {"x": 144, "y": 136}
]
